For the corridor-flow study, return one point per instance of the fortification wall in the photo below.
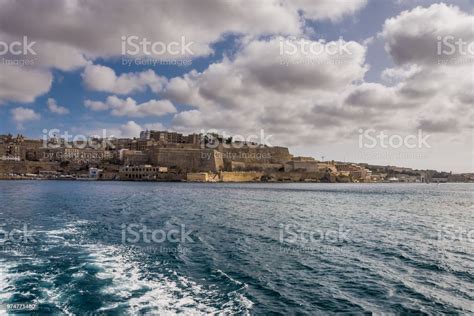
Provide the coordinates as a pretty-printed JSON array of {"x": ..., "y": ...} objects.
[
  {"x": 197, "y": 177},
  {"x": 259, "y": 155},
  {"x": 187, "y": 159},
  {"x": 22, "y": 167},
  {"x": 295, "y": 176},
  {"x": 240, "y": 176}
]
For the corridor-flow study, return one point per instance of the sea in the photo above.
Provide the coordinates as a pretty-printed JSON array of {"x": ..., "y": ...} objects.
[{"x": 151, "y": 248}]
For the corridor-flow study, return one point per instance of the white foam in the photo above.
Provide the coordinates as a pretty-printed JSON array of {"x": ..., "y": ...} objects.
[
  {"x": 164, "y": 293},
  {"x": 4, "y": 281},
  {"x": 161, "y": 294}
]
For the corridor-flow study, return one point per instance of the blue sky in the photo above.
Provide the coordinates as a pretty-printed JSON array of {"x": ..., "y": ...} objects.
[{"x": 233, "y": 86}]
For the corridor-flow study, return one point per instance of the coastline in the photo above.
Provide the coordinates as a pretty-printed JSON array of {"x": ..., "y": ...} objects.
[{"x": 220, "y": 182}]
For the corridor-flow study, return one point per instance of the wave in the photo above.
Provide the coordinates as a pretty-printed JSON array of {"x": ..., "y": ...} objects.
[{"x": 110, "y": 278}]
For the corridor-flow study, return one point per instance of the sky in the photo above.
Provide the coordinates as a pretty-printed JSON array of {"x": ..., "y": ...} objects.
[{"x": 374, "y": 81}]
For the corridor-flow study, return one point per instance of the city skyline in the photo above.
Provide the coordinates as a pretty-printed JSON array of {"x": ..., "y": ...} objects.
[{"x": 317, "y": 79}]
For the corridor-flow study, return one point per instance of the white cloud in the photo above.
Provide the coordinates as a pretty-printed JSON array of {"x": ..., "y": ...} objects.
[
  {"x": 55, "y": 108},
  {"x": 130, "y": 129},
  {"x": 68, "y": 34},
  {"x": 261, "y": 68},
  {"x": 129, "y": 107},
  {"x": 441, "y": 87},
  {"x": 97, "y": 28},
  {"x": 400, "y": 73},
  {"x": 102, "y": 78},
  {"x": 96, "y": 105},
  {"x": 21, "y": 115},
  {"x": 261, "y": 87},
  {"x": 23, "y": 85},
  {"x": 44, "y": 53},
  {"x": 413, "y": 37},
  {"x": 373, "y": 95},
  {"x": 303, "y": 98},
  {"x": 28, "y": 76},
  {"x": 155, "y": 126}
]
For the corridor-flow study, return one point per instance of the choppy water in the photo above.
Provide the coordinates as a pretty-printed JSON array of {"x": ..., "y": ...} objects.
[{"x": 243, "y": 248}]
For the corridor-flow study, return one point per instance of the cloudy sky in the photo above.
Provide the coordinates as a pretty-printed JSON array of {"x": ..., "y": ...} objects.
[{"x": 320, "y": 76}]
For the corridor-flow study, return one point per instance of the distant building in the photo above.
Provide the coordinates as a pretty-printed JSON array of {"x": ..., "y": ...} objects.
[
  {"x": 376, "y": 178},
  {"x": 408, "y": 178},
  {"x": 308, "y": 164},
  {"x": 186, "y": 159},
  {"x": 166, "y": 137},
  {"x": 143, "y": 172},
  {"x": 133, "y": 157},
  {"x": 300, "y": 158},
  {"x": 355, "y": 171},
  {"x": 95, "y": 173}
]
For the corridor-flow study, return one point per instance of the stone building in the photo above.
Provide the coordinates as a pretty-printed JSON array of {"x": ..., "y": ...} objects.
[
  {"x": 133, "y": 157},
  {"x": 308, "y": 164},
  {"x": 253, "y": 157},
  {"x": 165, "y": 137},
  {"x": 143, "y": 172},
  {"x": 357, "y": 172},
  {"x": 187, "y": 159}
]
